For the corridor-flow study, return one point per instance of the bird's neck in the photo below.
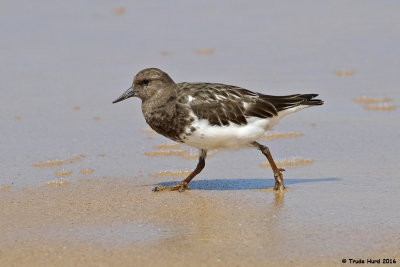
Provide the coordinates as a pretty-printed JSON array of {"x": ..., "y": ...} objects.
[
  {"x": 159, "y": 102},
  {"x": 161, "y": 116}
]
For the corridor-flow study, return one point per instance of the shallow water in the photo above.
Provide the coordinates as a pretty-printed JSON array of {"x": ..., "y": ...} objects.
[{"x": 64, "y": 63}]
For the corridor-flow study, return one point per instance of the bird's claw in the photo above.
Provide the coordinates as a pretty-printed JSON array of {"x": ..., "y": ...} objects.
[
  {"x": 279, "y": 187},
  {"x": 181, "y": 187}
]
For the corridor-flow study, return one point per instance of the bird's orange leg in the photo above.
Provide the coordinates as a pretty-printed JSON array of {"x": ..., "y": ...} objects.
[
  {"x": 182, "y": 186},
  {"x": 279, "y": 186}
]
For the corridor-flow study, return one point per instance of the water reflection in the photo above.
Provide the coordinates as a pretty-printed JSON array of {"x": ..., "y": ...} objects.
[{"x": 278, "y": 199}]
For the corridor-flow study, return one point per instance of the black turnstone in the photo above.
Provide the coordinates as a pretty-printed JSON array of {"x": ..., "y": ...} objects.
[{"x": 211, "y": 115}]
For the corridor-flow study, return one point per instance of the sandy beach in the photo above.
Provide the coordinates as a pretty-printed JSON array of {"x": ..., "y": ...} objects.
[{"x": 78, "y": 172}]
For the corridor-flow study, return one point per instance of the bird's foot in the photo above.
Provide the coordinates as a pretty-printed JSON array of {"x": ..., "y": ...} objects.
[
  {"x": 279, "y": 187},
  {"x": 181, "y": 187}
]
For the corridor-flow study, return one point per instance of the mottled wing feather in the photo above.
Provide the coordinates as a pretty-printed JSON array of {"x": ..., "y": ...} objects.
[
  {"x": 221, "y": 104},
  {"x": 218, "y": 103},
  {"x": 261, "y": 108},
  {"x": 219, "y": 112}
]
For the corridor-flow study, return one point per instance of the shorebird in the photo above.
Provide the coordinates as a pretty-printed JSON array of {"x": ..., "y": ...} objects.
[{"x": 211, "y": 116}]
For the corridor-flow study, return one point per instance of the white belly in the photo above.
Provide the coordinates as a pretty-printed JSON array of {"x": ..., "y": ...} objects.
[
  {"x": 233, "y": 136},
  {"x": 225, "y": 137}
]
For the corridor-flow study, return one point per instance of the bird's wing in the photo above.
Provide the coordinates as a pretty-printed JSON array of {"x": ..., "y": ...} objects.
[{"x": 221, "y": 104}]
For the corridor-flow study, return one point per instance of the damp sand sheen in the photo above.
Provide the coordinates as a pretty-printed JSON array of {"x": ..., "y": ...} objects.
[
  {"x": 63, "y": 173},
  {"x": 86, "y": 171},
  {"x": 376, "y": 103},
  {"x": 344, "y": 73},
  {"x": 181, "y": 173},
  {"x": 58, "y": 182},
  {"x": 270, "y": 136},
  {"x": 289, "y": 163},
  {"x": 52, "y": 163}
]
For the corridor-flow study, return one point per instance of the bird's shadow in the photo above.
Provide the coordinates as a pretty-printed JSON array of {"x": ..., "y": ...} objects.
[{"x": 243, "y": 184}]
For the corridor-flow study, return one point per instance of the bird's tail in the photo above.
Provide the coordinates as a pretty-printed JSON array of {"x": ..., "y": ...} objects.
[
  {"x": 310, "y": 101},
  {"x": 290, "y": 101}
]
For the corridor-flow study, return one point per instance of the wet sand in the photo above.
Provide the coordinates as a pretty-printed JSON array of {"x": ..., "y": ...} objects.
[
  {"x": 121, "y": 223},
  {"x": 77, "y": 171}
]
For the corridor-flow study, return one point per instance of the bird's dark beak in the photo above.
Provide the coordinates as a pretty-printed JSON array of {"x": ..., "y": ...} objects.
[{"x": 129, "y": 93}]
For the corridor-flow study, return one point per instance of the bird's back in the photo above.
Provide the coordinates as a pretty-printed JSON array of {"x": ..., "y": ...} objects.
[{"x": 224, "y": 104}]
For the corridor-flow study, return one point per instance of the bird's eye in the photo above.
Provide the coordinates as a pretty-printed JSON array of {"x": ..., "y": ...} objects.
[{"x": 145, "y": 82}]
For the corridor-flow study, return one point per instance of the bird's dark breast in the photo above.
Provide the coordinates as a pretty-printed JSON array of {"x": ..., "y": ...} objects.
[{"x": 170, "y": 120}]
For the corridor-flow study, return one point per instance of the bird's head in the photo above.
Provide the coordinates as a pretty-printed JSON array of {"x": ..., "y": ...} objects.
[{"x": 147, "y": 83}]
